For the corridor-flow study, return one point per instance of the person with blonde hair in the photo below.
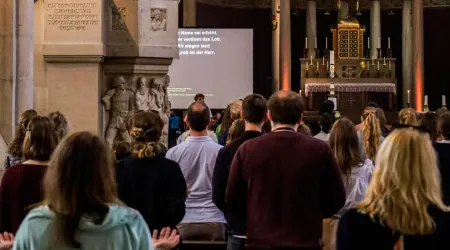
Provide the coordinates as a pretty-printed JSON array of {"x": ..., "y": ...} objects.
[
  {"x": 403, "y": 206},
  {"x": 356, "y": 173},
  {"x": 370, "y": 136},
  {"x": 234, "y": 114},
  {"x": 147, "y": 181},
  {"x": 61, "y": 124},
  {"x": 237, "y": 130},
  {"x": 408, "y": 116}
]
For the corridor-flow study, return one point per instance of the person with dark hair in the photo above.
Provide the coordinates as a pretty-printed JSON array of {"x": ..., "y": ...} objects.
[
  {"x": 325, "y": 122},
  {"x": 267, "y": 170},
  {"x": 442, "y": 147},
  {"x": 199, "y": 97},
  {"x": 15, "y": 154},
  {"x": 373, "y": 105},
  {"x": 327, "y": 107},
  {"x": 147, "y": 181},
  {"x": 21, "y": 184},
  {"x": 429, "y": 123},
  {"x": 122, "y": 150},
  {"x": 61, "y": 124},
  {"x": 196, "y": 157},
  {"x": 234, "y": 114},
  {"x": 81, "y": 209},
  {"x": 254, "y": 113}
]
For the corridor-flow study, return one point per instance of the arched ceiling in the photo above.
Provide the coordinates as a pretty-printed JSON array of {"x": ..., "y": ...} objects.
[{"x": 321, "y": 4}]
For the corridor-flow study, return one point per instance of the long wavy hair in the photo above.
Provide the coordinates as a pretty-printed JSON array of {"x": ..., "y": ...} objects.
[
  {"x": 345, "y": 146},
  {"x": 408, "y": 116},
  {"x": 146, "y": 130},
  {"x": 80, "y": 180},
  {"x": 406, "y": 184},
  {"x": 15, "y": 148},
  {"x": 61, "y": 124},
  {"x": 371, "y": 132},
  {"x": 237, "y": 130}
]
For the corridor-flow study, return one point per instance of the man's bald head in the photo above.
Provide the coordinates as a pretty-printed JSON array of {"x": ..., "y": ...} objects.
[
  {"x": 198, "y": 116},
  {"x": 286, "y": 107}
]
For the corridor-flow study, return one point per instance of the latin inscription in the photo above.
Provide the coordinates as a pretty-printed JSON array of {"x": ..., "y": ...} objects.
[{"x": 72, "y": 16}]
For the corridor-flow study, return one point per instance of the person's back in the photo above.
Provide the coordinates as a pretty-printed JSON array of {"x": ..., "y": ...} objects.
[
  {"x": 288, "y": 181},
  {"x": 121, "y": 228},
  {"x": 442, "y": 148},
  {"x": 196, "y": 157}
]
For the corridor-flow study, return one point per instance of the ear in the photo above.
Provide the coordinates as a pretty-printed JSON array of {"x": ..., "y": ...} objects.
[
  {"x": 269, "y": 116},
  {"x": 242, "y": 115},
  {"x": 300, "y": 119}
]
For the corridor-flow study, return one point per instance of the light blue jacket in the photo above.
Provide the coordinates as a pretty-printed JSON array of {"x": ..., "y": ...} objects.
[{"x": 122, "y": 229}]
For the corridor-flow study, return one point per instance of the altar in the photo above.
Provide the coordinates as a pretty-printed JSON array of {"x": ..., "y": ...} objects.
[{"x": 352, "y": 76}]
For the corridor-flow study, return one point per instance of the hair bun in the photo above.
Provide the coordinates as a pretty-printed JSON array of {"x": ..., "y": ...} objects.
[{"x": 137, "y": 133}]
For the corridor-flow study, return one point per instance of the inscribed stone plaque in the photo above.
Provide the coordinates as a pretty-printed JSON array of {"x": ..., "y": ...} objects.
[{"x": 73, "y": 21}]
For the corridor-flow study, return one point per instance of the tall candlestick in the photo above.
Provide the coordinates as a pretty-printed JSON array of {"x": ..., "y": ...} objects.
[
  {"x": 328, "y": 65},
  {"x": 323, "y": 60},
  {"x": 306, "y": 42},
  {"x": 389, "y": 65},
  {"x": 307, "y": 65},
  {"x": 378, "y": 65},
  {"x": 384, "y": 60},
  {"x": 315, "y": 42},
  {"x": 311, "y": 60},
  {"x": 379, "y": 43},
  {"x": 368, "y": 42},
  {"x": 389, "y": 42},
  {"x": 326, "y": 42},
  {"x": 409, "y": 96},
  {"x": 444, "y": 103},
  {"x": 373, "y": 61},
  {"x": 317, "y": 67},
  {"x": 425, "y": 102}
]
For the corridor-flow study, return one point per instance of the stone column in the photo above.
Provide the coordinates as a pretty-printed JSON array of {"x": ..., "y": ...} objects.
[
  {"x": 285, "y": 45},
  {"x": 417, "y": 45},
  {"x": 375, "y": 26},
  {"x": 407, "y": 50},
  {"x": 311, "y": 27},
  {"x": 189, "y": 13},
  {"x": 25, "y": 50},
  {"x": 275, "y": 46}
]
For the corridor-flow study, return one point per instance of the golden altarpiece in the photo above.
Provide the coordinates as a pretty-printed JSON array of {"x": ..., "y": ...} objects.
[{"x": 358, "y": 77}]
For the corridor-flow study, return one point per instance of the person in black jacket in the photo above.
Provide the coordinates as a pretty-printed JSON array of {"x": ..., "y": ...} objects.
[
  {"x": 147, "y": 181},
  {"x": 254, "y": 112}
]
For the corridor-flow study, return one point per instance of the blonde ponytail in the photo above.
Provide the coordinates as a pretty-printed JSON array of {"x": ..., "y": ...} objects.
[
  {"x": 371, "y": 133},
  {"x": 408, "y": 116}
]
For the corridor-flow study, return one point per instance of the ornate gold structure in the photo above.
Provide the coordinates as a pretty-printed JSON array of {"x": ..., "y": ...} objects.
[{"x": 348, "y": 39}]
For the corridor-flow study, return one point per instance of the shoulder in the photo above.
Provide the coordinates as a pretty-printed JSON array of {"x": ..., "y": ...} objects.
[
  {"x": 13, "y": 173},
  {"x": 35, "y": 225}
]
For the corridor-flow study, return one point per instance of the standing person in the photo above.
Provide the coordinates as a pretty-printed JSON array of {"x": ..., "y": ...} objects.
[
  {"x": 81, "y": 209},
  {"x": 356, "y": 174},
  {"x": 15, "y": 154},
  {"x": 369, "y": 136},
  {"x": 325, "y": 122},
  {"x": 403, "y": 202},
  {"x": 429, "y": 123},
  {"x": 147, "y": 181},
  {"x": 21, "y": 184},
  {"x": 408, "y": 116},
  {"x": 61, "y": 124},
  {"x": 291, "y": 182},
  {"x": 199, "y": 97},
  {"x": 254, "y": 112},
  {"x": 234, "y": 114},
  {"x": 197, "y": 156},
  {"x": 442, "y": 147}
]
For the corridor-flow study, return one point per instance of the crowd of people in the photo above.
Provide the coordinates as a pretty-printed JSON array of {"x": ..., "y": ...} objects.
[{"x": 256, "y": 177}]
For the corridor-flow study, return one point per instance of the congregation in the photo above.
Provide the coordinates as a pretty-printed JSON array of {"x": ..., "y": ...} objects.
[{"x": 255, "y": 176}]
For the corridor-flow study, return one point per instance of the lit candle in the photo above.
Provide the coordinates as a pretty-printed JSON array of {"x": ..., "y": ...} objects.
[
  {"x": 323, "y": 60},
  {"x": 378, "y": 65},
  {"x": 389, "y": 65},
  {"x": 389, "y": 42},
  {"x": 368, "y": 42},
  {"x": 384, "y": 60},
  {"x": 306, "y": 42},
  {"x": 425, "y": 102},
  {"x": 311, "y": 60},
  {"x": 315, "y": 42},
  {"x": 409, "y": 97},
  {"x": 379, "y": 42},
  {"x": 326, "y": 42},
  {"x": 444, "y": 103}
]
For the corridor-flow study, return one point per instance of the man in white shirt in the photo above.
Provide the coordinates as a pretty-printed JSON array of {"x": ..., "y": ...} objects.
[{"x": 196, "y": 157}]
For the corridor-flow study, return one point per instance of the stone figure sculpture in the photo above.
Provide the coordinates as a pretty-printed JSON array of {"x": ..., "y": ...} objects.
[
  {"x": 158, "y": 19},
  {"x": 158, "y": 103},
  {"x": 167, "y": 104},
  {"x": 142, "y": 95},
  {"x": 119, "y": 102}
]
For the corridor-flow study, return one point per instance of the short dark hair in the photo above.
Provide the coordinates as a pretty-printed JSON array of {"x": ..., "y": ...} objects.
[
  {"x": 286, "y": 107},
  {"x": 40, "y": 139},
  {"x": 254, "y": 108},
  {"x": 198, "y": 116},
  {"x": 372, "y": 104},
  {"x": 444, "y": 125},
  {"x": 199, "y": 96},
  {"x": 325, "y": 122}
]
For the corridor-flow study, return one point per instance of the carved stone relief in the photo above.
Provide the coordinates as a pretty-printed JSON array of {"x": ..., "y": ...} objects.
[{"x": 158, "y": 19}]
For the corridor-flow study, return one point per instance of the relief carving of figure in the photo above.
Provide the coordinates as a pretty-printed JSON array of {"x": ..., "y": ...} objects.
[
  {"x": 158, "y": 103},
  {"x": 158, "y": 19},
  {"x": 119, "y": 102},
  {"x": 167, "y": 105},
  {"x": 142, "y": 95}
]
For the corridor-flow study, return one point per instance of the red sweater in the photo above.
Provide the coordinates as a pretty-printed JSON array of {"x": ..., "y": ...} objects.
[
  {"x": 288, "y": 183},
  {"x": 20, "y": 188}
]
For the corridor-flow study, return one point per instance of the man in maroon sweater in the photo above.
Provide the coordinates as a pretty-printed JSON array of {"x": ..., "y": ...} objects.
[{"x": 288, "y": 182}]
